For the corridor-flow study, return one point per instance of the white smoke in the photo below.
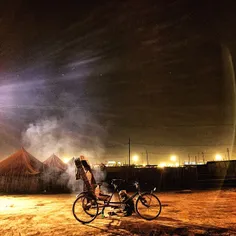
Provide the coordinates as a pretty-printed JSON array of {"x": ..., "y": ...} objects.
[
  {"x": 66, "y": 122},
  {"x": 71, "y": 135},
  {"x": 40, "y": 137}
]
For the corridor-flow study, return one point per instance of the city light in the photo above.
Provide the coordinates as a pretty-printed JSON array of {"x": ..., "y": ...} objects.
[
  {"x": 111, "y": 163},
  {"x": 173, "y": 158},
  {"x": 162, "y": 164},
  {"x": 135, "y": 158},
  {"x": 218, "y": 157}
]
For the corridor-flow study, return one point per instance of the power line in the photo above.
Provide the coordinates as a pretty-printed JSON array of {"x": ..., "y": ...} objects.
[
  {"x": 182, "y": 145},
  {"x": 171, "y": 126},
  {"x": 168, "y": 145}
]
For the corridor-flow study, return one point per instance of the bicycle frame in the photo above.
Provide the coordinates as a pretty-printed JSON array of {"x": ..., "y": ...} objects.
[
  {"x": 110, "y": 203},
  {"x": 106, "y": 201}
]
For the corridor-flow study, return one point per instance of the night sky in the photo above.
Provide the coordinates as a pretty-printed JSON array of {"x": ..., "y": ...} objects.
[{"x": 82, "y": 77}]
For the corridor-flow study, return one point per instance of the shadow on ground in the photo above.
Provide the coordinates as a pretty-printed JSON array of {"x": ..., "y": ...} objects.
[{"x": 139, "y": 227}]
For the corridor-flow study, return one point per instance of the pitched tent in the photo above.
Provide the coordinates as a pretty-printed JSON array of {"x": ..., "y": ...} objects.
[
  {"x": 20, "y": 172},
  {"x": 56, "y": 163},
  {"x": 55, "y": 178}
]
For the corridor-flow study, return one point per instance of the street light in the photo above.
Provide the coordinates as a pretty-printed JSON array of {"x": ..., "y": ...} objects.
[
  {"x": 218, "y": 157},
  {"x": 162, "y": 165},
  {"x": 173, "y": 158},
  {"x": 135, "y": 158}
]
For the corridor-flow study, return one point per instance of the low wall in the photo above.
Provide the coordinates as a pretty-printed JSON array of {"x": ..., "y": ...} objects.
[{"x": 210, "y": 175}]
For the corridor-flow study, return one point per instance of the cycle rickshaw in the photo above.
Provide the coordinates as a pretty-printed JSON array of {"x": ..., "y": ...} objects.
[{"x": 88, "y": 205}]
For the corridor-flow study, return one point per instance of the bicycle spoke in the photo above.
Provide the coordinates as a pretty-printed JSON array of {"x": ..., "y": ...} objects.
[
  {"x": 148, "y": 206},
  {"x": 85, "y": 209}
]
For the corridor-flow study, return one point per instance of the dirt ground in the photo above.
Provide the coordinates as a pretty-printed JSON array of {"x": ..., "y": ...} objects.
[{"x": 196, "y": 213}]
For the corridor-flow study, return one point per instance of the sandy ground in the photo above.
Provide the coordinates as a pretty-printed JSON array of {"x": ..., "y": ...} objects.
[{"x": 197, "y": 213}]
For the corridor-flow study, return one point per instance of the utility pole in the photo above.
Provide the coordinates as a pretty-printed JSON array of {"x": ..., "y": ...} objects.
[
  {"x": 196, "y": 160},
  {"x": 129, "y": 151},
  {"x": 189, "y": 159},
  {"x": 228, "y": 153},
  {"x": 147, "y": 157},
  {"x": 203, "y": 157}
]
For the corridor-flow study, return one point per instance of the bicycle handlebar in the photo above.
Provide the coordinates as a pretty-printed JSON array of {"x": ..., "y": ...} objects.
[
  {"x": 136, "y": 183},
  {"x": 117, "y": 180}
]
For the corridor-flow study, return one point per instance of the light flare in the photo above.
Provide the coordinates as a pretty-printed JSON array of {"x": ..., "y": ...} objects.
[
  {"x": 66, "y": 159},
  {"x": 162, "y": 165},
  {"x": 218, "y": 157},
  {"x": 135, "y": 158},
  {"x": 173, "y": 158},
  {"x": 13, "y": 204}
]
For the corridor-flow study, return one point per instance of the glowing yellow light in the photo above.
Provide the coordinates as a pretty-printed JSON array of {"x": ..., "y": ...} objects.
[
  {"x": 135, "y": 158},
  {"x": 66, "y": 160},
  {"x": 173, "y": 158},
  {"x": 162, "y": 164},
  {"x": 12, "y": 204},
  {"x": 218, "y": 157},
  {"x": 111, "y": 163}
]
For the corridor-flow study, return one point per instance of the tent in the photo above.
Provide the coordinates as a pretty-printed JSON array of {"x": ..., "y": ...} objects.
[
  {"x": 21, "y": 172},
  {"x": 56, "y": 163},
  {"x": 55, "y": 178}
]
